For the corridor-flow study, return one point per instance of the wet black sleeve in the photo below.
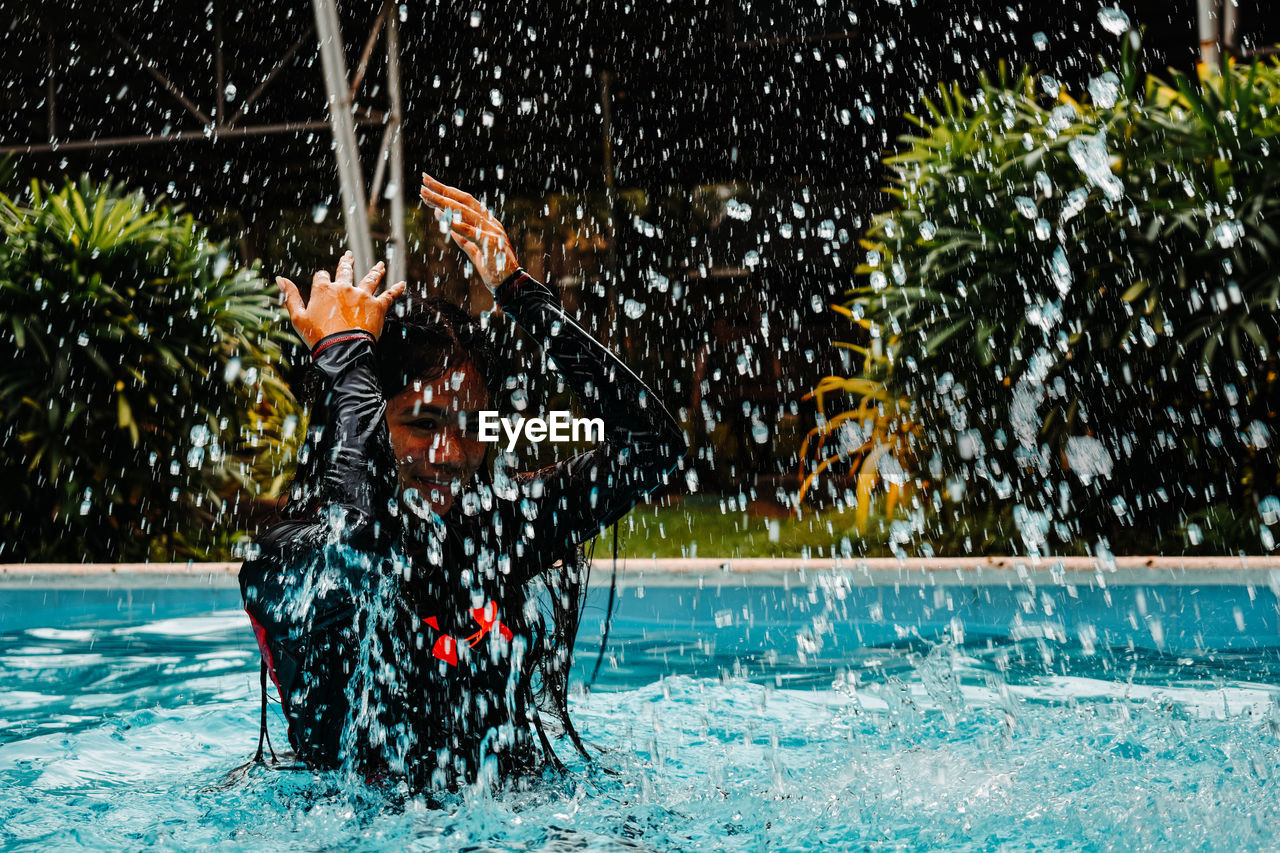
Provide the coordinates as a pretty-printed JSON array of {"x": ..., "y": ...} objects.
[
  {"x": 357, "y": 467},
  {"x": 301, "y": 585},
  {"x": 643, "y": 444},
  {"x": 306, "y": 631}
]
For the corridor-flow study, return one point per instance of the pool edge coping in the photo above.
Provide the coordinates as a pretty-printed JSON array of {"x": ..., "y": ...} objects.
[{"x": 782, "y": 571}]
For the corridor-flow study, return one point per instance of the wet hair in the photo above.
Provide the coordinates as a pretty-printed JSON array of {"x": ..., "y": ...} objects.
[
  {"x": 420, "y": 340},
  {"x": 429, "y": 337}
]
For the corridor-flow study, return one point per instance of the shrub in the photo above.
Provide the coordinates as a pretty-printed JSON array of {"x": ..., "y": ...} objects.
[
  {"x": 1077, "y": 302},
  {"x": 139, "y": 401}
]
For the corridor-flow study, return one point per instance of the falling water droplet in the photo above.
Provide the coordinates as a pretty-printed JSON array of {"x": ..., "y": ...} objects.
[
  {"x": 1105, "y": 90},
  {"x": 1113, "y": 20},
  {"x": 1044, "y": 186},
  {"x": 1149, "y": 336},
  {"x": 1228, "y": 233},
  {"x": 759, "y": 431},
  {"x": 1060, "y": 271},
  {"x": 199, "y": 435},
  {"x": 1269, "y": 509},
  {"x": 417, "y": 504},
  {"x": 891, "y": 470}
]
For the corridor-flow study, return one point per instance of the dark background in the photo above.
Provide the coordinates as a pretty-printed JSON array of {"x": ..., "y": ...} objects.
[
  {"x": 704, "y": 91},
  {"x": 784, "y": 106}
]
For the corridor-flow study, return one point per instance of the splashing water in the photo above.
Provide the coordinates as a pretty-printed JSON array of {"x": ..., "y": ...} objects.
[
  {"x": 1113, "y": 20},
  {"x": 776, "y": 718},
  {"x": 1105, "y": 89},
  {"x": 1090, "y": 155}
]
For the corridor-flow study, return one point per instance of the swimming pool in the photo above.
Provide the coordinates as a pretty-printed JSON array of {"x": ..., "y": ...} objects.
[{"x": 761, "y": 712}]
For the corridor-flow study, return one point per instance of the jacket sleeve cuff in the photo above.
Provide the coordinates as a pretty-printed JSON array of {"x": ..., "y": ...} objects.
[
  {"x": 521, "y": 290},
  {"x": 339, "y": 338},
  {"x": 506, "y": 291}
]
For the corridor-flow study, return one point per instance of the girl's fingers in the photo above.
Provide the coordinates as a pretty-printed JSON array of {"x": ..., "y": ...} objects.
[
  {"x": 391, "y": 294},
  {"x": 320, "y": 278},
  {"x": 292, "y": 298},
  {"x": 473, "y": 251},
  {"x": 440, "y": 202},
  {"x": 475, "y": 233},
  {"x": 345, "y": 272},
  {"x": 466, "y": 229},
  {"x": 369, "y": 284},
  {"x": 465, "y": 199}
]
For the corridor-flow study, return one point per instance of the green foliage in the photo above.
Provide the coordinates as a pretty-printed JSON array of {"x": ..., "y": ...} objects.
[
  {"x": 1081, "y": 299},
  {"x": 701, "y": 526},
  {"x": 139, "y": 403}
]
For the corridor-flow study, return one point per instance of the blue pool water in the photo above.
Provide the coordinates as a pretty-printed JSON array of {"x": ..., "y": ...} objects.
[{"x": 797, "y": 717}]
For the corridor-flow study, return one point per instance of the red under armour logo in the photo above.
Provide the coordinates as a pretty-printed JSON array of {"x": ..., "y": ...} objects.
[{"x": 446, "y": 647}]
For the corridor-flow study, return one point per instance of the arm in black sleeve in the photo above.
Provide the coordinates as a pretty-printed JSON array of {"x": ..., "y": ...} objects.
[
  {"x": 306, "y": 632},
  {"x": 357, "y": 467},
  {"x": 301, "y": 585},
  {"x": 643, "y": 443}
]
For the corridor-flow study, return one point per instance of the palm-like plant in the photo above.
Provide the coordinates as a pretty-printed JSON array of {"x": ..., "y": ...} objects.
[
  {"x": 1080, "y": 299},
  {"x": 140, "y": 396}
]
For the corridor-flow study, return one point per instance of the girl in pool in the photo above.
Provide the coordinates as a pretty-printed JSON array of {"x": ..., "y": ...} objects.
[{"x": 392, "y": 602}]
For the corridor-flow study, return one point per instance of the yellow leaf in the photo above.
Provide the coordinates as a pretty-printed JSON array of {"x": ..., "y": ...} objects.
[
  {"x": 124, "y": 416},
  {"x": 1135, "y": 290},
  {"x": 895, "y": 492},
  {"x": 867, "y": 475}
]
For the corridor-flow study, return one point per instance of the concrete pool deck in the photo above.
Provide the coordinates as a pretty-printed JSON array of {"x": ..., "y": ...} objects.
[{"x": 745, "y": 571}]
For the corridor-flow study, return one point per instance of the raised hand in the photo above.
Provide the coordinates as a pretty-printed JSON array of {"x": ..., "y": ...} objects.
[
  {"x": 338, "y": 305},
  {"x": 476, "y": 231}
]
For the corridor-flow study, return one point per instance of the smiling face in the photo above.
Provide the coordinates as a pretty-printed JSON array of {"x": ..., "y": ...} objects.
[{"x": 433, "y": 433}]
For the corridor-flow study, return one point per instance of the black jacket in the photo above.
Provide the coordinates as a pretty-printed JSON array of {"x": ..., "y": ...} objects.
[{"x": 401, "y": 647}]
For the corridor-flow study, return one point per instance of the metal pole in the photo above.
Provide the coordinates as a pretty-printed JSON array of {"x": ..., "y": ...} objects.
[
  {"x": 611, "y": 253},
  {"x": 279, "y": 66},
  {"x": 219, "y": 82},
  {"x": 150, "y": 67},
  {"x": 176, "y": 136},
  {"x": 1230, "y": 19},
  {"x": 396, "y": 261},
  {"x": 51, "y": 88},
  {"x": 345, "y": 150},
  {"x": 363, "y": 65},
  {"x": 1207, "y": 11},
  {"x": 380, "y": 170}
]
